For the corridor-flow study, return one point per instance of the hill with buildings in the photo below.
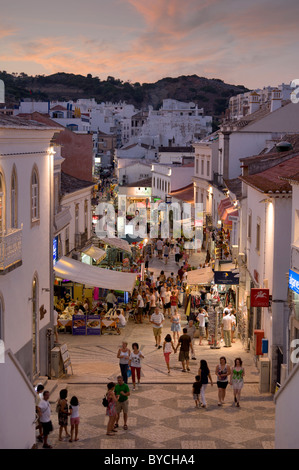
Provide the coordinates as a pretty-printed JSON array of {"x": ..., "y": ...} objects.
[{"x": 211, "y": 94}]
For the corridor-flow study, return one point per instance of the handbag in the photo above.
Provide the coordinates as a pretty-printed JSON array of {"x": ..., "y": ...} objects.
[
  {"x": 105, "y": 402},
  {"x": 129, "y": 372}
]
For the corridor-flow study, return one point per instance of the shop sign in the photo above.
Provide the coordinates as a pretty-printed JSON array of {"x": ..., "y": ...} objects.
[
  {"x": 259, "y": 297},
  {"x": 79, "y": 325},
  {"x": 226, "y": 277},
  {"x": 294, "y": 281},
  {"x": 93, "y": 325}
]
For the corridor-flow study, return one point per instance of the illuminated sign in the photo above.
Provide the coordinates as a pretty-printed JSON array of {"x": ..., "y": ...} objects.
[{"x": 294, "y": 281}]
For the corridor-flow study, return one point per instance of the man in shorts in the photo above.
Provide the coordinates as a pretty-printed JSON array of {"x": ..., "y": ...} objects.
[
  {"x": 123, "y": 392},
  {"x": 157, "y": 320},
  {"x": 185, "y": 344},
  {"x": 44, "y": 410}
]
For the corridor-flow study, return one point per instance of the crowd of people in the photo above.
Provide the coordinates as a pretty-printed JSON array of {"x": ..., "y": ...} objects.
[{"x": 154, "y": 300}]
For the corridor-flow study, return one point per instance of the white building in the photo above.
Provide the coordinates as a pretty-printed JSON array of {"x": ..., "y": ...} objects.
[
  {"x": 265, "y": 239},
  {"x": 167, "y": 178},
  {"x": 26, "y": 291},
  {"x": 253, "y": 134},
  {"x": 246, "y": 103},
  {"x": 175, "y": 124},
  {"x": 129, "y": 171},
  {"x": 287, "y": 413}
]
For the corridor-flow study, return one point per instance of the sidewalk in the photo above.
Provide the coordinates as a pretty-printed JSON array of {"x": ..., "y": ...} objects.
[{"x": 162, "y": 413}]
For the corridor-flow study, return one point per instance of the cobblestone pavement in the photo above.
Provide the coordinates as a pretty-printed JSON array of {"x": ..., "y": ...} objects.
[{"x": 162, "y": 413}]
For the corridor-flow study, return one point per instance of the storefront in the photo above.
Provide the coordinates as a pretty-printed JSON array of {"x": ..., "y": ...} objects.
[
  {"x": 294, "y": 308},
  {"x": 77, "y": 283}
]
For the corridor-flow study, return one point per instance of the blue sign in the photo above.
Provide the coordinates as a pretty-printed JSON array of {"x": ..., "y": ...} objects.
[
  {"x": 226, "y": 277},
  {"x": 55, "y": 250},
  {"x": 294, "y": 281}
]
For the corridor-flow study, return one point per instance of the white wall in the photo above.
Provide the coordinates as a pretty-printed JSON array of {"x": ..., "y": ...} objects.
[
  {"x": 287, "y": 413},
  {"x": 17, "y": 407}
]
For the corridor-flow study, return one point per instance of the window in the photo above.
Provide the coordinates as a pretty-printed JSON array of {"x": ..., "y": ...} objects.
[
  {"x": 208, "y": 168},
  {"x": 86, "y": 215},
  {"x": 258, "y": 237},
  {"x": 202, "y": 167},
  {"x": 67, "y": 241},
  {"x": 34, "y": 196},
  {"x": 249, "y": 226},
  {"x": 14, "y": 200},
  {"x": 2, "y": 203},
  {"x": 196, "y": 171}
]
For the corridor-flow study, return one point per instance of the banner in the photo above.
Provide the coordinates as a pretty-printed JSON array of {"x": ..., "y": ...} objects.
[{"x": 226, "y": 277}]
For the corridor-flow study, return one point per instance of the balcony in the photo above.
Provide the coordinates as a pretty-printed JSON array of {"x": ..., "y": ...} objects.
[{"x": 10, "y": 250}]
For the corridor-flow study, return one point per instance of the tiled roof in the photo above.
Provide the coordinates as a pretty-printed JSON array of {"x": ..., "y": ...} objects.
[
  {"x": 293, "y": 139},
  {"x": 145, "y": 183},
  {"x": 70, "y": 184},
  {"x": 23, "y": 122},
  {"x": 273, "y": 180},
  {"x": 58, "y": 107}
]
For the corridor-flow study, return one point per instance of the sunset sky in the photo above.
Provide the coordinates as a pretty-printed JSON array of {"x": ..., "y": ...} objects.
[{"x": 248, "y": 42}]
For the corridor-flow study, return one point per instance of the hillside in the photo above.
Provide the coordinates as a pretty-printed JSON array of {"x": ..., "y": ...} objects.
[{"x": 211, "y": 94}]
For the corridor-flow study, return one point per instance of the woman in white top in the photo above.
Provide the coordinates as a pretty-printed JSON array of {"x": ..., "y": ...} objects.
[
  {"x": 124, "y": 357},
  {"x": 168, "y": 346},
  {"x": 135, "y": 363}
]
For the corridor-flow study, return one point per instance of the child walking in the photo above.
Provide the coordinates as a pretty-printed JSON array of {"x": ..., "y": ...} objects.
[
  {"x": 196, "y": 390},
  {"x": 75, "y": 419},
  {"x": 167, "y": 349}
]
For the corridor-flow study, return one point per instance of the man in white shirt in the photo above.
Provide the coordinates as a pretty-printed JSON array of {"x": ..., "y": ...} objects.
[
  {"x": 157, "y": 320},
  {"x": 44, "y": 410},
  {"x": 227, "y": 328},
  {"x": 121, "y": 321},
  {"x": 140, "y": 307},
  {"x": 201, "y": 318},
  {"x": 111, "y": 300}
]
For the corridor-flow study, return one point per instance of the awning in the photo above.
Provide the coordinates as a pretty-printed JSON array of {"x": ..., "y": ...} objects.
[
  {"x": 223, "y": 205},
  {"x": 117, "y": 243},
  {"x": 200, "y": 276},
  {"x": 73, "y": 270},
  {"x": 94, "y": 252}
]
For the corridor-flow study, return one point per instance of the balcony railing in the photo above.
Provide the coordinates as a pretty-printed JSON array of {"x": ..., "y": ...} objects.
[{"x": 10, "y": 249}]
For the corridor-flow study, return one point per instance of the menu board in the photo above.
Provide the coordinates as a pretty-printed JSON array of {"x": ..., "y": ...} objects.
[
  {"x": 79, "y": 325},
  {"x": 93, "y": 325},
  {"x": 65, "y": 357}
]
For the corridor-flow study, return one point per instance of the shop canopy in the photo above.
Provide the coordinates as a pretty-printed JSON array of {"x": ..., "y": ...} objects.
[
  {"x": 200, "y": 276},
  {"x": 94, "y": 252},
  {"x": 73, "y": 270},
  {"x": 117, "y": 243}
]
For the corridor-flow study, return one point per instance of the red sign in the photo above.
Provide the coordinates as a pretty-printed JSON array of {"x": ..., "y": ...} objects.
[{"x": 259, "y": 298}]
